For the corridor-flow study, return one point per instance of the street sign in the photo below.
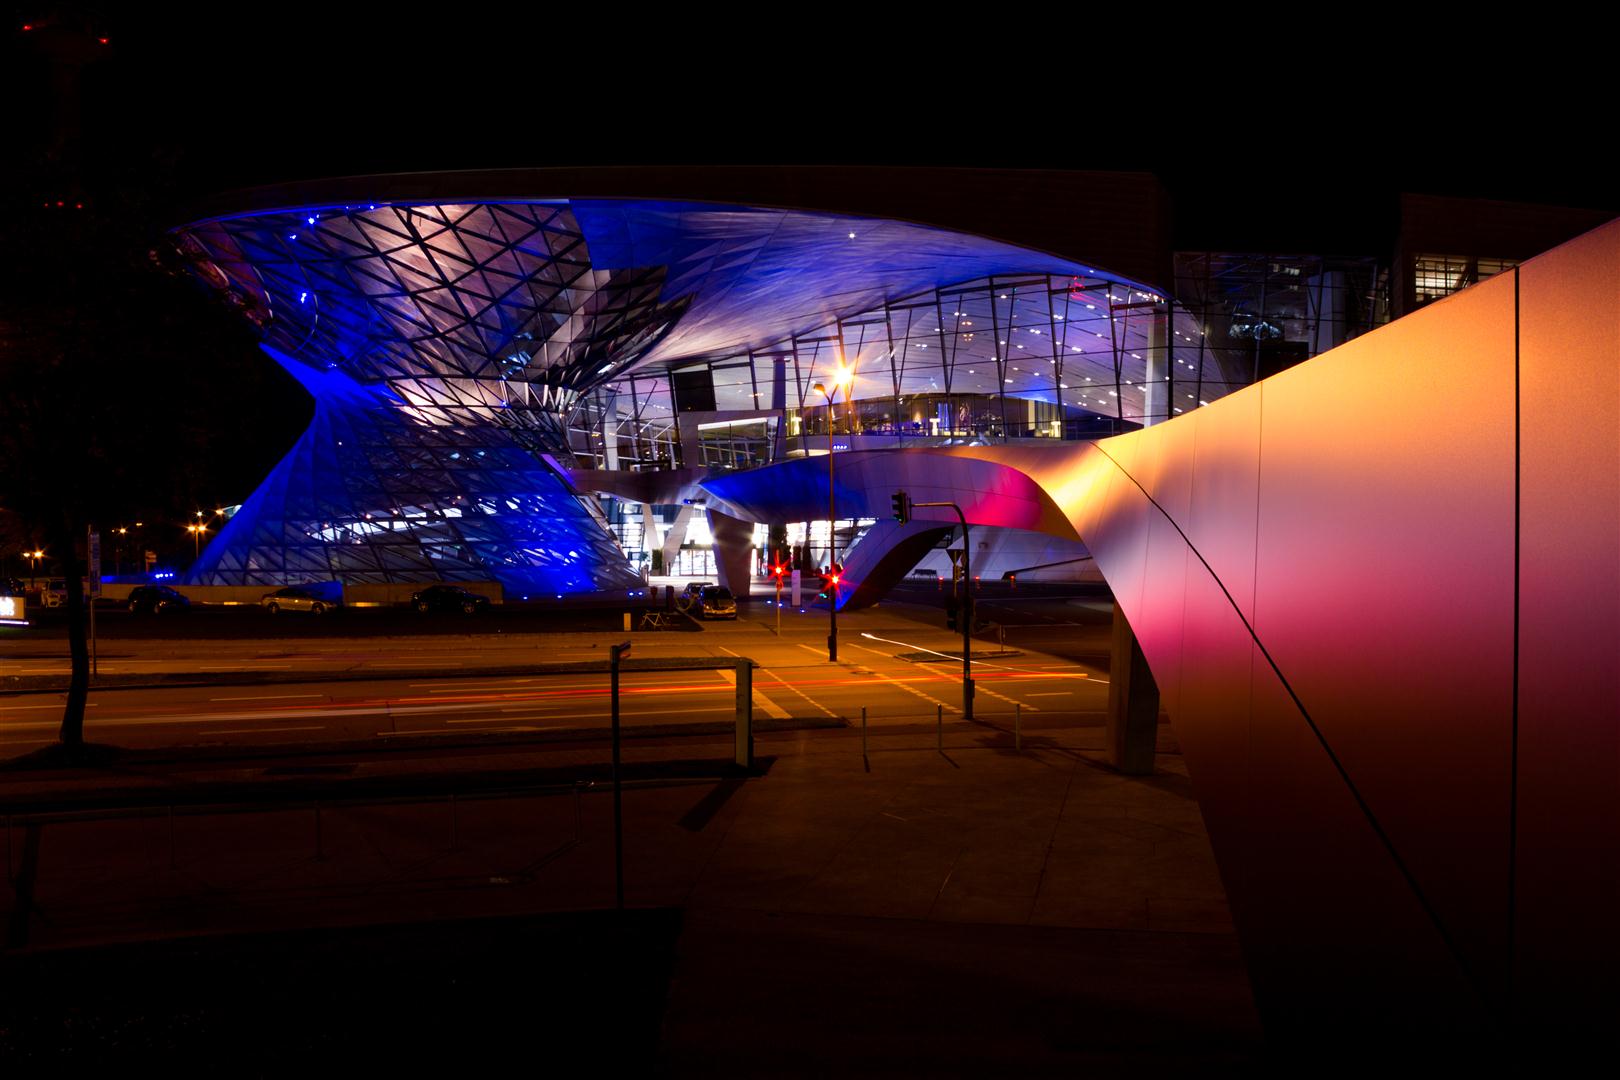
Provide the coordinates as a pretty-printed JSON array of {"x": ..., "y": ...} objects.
[{"x": 95, "y": 564}]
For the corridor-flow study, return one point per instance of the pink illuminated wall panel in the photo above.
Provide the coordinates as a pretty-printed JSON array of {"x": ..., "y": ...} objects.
[
  {"x": 1568, "y": 785},
  {"x": 1381, "y": 594}
]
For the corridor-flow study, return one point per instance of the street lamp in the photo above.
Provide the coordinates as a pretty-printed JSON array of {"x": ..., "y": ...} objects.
[
  {"x": 196, "y": 532},
  {"x": 842, "y": 378},
  {"x": 33, "y": 565}
]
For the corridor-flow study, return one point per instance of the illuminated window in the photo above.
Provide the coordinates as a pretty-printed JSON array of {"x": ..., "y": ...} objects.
[{"x": 1436, "y": 276}]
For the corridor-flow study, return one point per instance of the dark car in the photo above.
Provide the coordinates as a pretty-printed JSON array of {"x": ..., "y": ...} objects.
[
  {"x": 294, "y": 598},
  {"x": 687, "y": 597},
  {"x": 156, "y": 600},
  {"x": 715, "y": 602},
  {"x": 451, "y": 598}
]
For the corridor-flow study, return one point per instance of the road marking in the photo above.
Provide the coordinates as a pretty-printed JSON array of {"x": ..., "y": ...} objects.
[
  {"x": 1060, "y": 693},
  {"x": 772, "y": 709},
  {"x": 980, "y": 688},
  {"x": 263, "y": 730},
  {"x": 57, "y": 705},
  {"x": 601, "y": 715},
  {"x": 801, "y": 693},
  {"x": 266, "y": 697}
]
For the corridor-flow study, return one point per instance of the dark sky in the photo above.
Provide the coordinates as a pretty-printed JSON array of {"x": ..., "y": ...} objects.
[{"x": 1301, "y": 156}]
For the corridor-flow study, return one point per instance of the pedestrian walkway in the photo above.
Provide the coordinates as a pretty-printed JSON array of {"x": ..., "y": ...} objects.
[{"x": 965, "y": 905}]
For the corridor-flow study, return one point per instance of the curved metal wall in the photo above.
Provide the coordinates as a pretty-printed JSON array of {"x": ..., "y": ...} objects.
[
  {"x": 1381, "y": 595},
  {"x": 1380, "y": 592}
]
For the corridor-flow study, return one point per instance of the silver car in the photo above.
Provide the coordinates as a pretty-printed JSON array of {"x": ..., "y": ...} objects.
[
  {"x": 716, "y": 602},
  {"x": 293, "y": 598}
]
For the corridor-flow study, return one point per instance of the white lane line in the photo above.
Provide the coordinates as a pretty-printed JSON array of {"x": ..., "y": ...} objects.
[
  {"x": 980, "y": 688},
  {"x": 772, "y": 709},
  {"x": 601, "y": 715},
  {"x": 809, "y": 649},
  {"x": 57, "y": 705},
  {"x": 813, "y": 702},
  {"x": 1059, "y": 693},
  {"x": 266, "y": 697},
  {"x": 263, "y": 730},
  {"x": 238, "y": 667},
  {"x": 908, "y": 689}
]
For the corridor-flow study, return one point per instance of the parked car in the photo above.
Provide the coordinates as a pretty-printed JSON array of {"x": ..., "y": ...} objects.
[
  {"x": 156, "y": 600},
  {"x": 691, "y": 594},
  {"x": 452, "y": 598},
  {"x": 297, "y": 598},
  {"x": 716, "y": 602},
  {"x": 54, "y": 594}
]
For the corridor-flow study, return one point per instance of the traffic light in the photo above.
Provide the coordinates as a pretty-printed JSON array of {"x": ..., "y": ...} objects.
[{"x": 902, "y": 507}]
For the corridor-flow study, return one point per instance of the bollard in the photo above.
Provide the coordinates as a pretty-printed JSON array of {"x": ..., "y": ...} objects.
[
  {"x": 863, "y": 731},
  {"x": 627, "y": 626},
  {"x": 939, "y": 728},
  {"x": 1018, "y": 732}
]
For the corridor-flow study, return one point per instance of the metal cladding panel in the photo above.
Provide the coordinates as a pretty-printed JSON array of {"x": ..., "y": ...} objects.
[
  {"x": 1226, "y": 470},
  {"x": 1568, "y": 838},
  {"x": 1119, "y": 544},
  {"x": 1384, "y": 591},
  {"x": 1211, "y": 717},
  {"x": 1336, "y": 940}
]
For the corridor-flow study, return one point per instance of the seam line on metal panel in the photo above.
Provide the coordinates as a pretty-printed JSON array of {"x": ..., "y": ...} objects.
[
  {"x": 1513, "y": 729},
  {"x": 1344, "y": 775}
]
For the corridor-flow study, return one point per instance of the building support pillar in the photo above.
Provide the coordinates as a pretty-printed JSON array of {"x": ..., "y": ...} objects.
[
  {"x": 1133, "y": 703},
  {"x": 675, "y": 537},
  {"x": 1156, "y": 380},
  {"x": 733, "y": 552}
]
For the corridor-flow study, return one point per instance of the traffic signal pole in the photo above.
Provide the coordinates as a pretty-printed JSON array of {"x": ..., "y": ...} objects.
[{"x": 902, "y": 513}]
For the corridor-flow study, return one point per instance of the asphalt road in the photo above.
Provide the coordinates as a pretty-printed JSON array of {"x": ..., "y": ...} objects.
[{"x": 894, "y": 662}]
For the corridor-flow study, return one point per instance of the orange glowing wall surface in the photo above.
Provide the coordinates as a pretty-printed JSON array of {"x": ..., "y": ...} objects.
[{"x": 1380, "y": 592}]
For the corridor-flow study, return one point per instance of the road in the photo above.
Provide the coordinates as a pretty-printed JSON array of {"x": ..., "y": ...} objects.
[{"x": 894, "y": 662}]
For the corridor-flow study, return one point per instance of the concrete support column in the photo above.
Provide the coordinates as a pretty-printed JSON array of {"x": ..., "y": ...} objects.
[
  {"x": 649, "y": 528},
  {"x": 676, "y": 537},
  {"x": 1155, "y": 384},
  {"x": 733, "y": 551},
  {"x": 779, "y": 405},
  {"x": 1133, "y": 703}
]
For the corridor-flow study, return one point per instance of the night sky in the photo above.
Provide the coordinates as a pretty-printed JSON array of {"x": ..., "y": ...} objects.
[{"x": 172, "y": 109}]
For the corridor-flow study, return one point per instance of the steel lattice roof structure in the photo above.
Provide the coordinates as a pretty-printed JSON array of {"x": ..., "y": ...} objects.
[{"x": 447, "y": 343}]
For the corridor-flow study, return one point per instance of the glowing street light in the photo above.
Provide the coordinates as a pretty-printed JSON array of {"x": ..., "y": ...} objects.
[
  {"x": 842, "y": 379},
  {"x": 196, "y": 532},
  {"x": 33, "y": 565}
]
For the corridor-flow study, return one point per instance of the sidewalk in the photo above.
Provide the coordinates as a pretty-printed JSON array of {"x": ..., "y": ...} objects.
[{"x": 971, "y": 911}]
